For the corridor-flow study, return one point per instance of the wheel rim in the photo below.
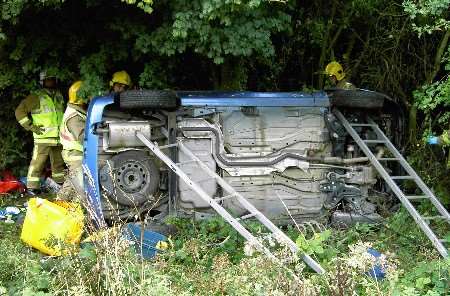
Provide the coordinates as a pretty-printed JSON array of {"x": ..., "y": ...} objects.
[{"x": 132, "y": 177}]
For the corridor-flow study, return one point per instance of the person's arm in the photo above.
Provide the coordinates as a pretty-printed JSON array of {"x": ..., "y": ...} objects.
[
  {"x": 25, "y": 107},
  {"x": 76, "y": 126}
]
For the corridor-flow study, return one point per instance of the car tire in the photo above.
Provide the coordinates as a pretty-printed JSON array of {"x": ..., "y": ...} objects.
[
  {"x": 134, "y": 178},
  {"x": 149, "y": 99},
  {"x": 359, "y": 98}
]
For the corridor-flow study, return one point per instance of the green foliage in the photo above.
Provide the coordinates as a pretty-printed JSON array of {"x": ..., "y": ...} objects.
[
  {"x": 11, "y": 152},
  {"x": 216, "y": 29},
  {"x": 90, "y": 40},
  {"x": 313, "y": 245},
  {"x": 430, "y": 18},
  {"x": 92, "y": 71},
  {"x": 434, "y": 99},
  {"x": 434, "y": 96},
  {"x": 154, "y": 76},
  {"x": 199, "y": 262},
  {"x": 19, "y": 263},
  {"x": 429, "y": 15},
  {"x": 427, "y": 278},
  {"x": 233, "y": 44},
  {"x": 11, "y": 9},
  {"x": 145, "y": 5},
  {"x": 214, "y": 232},
  {"x": 13, "y": 142}
]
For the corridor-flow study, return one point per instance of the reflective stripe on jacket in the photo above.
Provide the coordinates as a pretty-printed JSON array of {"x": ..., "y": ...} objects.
[
  {"x": 49, "y": 115},
  {"x": 68, "y": 140}
]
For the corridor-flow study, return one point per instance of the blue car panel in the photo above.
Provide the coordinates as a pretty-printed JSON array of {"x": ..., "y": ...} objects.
[
  {"x": 90, "y": 159},
  {"x": 254, "y": 99}
]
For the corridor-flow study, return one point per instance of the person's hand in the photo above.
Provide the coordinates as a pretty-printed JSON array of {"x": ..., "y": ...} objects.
[
  {"x": 37, "y": 129},
  {"x": 433, "y": 140}
]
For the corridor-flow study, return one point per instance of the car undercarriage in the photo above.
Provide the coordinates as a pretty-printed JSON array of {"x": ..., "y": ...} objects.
[{"x": 285, "y": 152}]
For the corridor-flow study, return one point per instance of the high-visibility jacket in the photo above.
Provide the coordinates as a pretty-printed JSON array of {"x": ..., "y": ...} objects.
[
  {"x": 344, "y": 84},
  {"x": 49, "y": 115},
  {"x": 68, "y": 140}
]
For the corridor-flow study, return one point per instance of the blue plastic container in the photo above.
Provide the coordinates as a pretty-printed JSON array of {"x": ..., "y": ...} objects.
[
  {"x": 132, "y": 232},
  {"x": 377, "y": 271}
]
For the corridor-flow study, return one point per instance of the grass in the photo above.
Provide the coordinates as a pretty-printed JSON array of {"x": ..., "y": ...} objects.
[{"x": 208, "y": 258}]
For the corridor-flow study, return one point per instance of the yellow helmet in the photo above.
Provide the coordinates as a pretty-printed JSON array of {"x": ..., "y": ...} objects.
[
  {"x": 73, "y": 97},
  {"x": 335, "y": 69},
  {"x": 120, "y": 77}
]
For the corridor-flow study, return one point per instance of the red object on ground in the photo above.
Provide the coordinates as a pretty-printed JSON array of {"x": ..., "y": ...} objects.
[{"x": 10, "y": 183}]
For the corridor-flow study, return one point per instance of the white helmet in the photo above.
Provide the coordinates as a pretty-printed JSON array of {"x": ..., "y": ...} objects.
[{"x": 44, "y": 75}]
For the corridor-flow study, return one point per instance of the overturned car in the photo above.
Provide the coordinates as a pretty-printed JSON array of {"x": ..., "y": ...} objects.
[{"x": 286, "y": 153}]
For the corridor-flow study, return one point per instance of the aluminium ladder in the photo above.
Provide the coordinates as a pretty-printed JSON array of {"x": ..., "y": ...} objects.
[
  {"x": 277, "y": 234},
  {"x": 439, "y": 243}
]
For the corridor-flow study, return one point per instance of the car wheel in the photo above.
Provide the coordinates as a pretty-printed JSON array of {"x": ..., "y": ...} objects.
[
  {"x": 360, "y": 98},
  {"x": 134, "y": 178},
  {"x": 149, "y": 99}
]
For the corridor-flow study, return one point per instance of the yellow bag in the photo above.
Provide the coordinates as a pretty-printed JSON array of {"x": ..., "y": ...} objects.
[{"x": 48, "y": 226}]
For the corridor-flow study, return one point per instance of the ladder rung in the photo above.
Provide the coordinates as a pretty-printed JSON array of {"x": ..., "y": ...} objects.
[
  {"x": 414, "y": 197},
  {"x": 402, "y": 177},
  {"x": 374, "y": 141},
  {"x": 246, "y": 216},
  {"x": 433, "y": 217},
  {"x": 387, "y": 159},
  {"x": 363, "y": 124},
  {"x": 225, "y": 197}
]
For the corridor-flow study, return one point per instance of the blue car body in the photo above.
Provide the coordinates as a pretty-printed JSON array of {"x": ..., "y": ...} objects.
[{"x": 194, "y": 99}]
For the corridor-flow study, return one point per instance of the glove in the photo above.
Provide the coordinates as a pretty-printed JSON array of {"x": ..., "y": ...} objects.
[
  {"x": 37, "y": 129},
  {"x": 433, "y": 140}
]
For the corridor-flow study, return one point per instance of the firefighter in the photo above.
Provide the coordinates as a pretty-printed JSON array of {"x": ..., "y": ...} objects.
[
  {"x": 120, "y": 82},
  {"x": 41, "y": 112},
  {"x": 72, "y": 137},
  {"x": 336, "y": 74}
]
